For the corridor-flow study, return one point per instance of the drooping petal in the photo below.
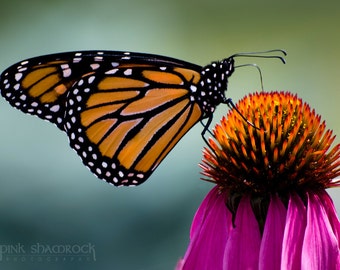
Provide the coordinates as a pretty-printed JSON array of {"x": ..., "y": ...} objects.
[
  {"x": 294, "y": 234},
  {"x": 320, "y": 249},
  {"x": 328, "y": 204},
  {"x": 242, "y": 250},
  {"x": 271, "y": 246},
  {"x": 203, "y": 210},
  {"x": 209, "y": 234}
]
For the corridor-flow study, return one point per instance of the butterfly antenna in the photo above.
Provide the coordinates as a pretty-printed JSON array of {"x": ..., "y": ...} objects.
[
  {"x": 259, "y": 70},
  {"x": 264, "y": 54}
]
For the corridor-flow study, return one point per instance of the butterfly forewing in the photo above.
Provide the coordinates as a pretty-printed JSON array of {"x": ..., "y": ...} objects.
[
  {"x": 39, "y": 85},
  {"x": 38, "y": 89}
]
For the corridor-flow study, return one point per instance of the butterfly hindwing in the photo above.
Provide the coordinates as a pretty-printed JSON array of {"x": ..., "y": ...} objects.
[{"x": 124, "y": 121}]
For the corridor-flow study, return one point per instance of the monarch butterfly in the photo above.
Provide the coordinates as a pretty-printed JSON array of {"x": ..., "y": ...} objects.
[{"x": 122, "y": 111}]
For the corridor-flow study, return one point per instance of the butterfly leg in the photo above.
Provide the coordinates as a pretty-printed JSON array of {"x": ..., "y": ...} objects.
[
  {"x": 206, "y": 129},
  {"x": 231, "y": 105}
]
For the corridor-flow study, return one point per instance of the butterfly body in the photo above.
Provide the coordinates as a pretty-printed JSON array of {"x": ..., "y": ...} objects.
[{"x": 123, "y": 112}]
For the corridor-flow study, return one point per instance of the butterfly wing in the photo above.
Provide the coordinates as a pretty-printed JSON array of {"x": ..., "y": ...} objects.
[
  {"x": 39, "y": 85},
  {"x": 123, "y": 112}
]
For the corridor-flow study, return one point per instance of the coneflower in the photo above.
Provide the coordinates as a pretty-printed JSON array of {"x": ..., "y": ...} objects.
[{"x": 269, "y": 208}]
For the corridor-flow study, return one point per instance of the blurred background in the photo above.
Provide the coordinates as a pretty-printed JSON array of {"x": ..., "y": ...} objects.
[{"x": 48, "y": 197}]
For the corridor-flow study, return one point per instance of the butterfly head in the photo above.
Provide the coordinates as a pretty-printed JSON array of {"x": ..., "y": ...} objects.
[{"x": 214, "y": 83}]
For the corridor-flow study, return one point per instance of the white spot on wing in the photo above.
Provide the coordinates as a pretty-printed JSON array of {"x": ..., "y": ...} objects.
[
  {"x": 18, "y": 76},
  {"x": 95, "y": 66},
  {"x": 193, "y": 88},
  {"x": 76, "y": 59},
  {"x": 91, "y": 79},
  {"x": 67, "y": 72},
  {"x": 128, "y": 72},
  {"x": 111, "y": 71}
]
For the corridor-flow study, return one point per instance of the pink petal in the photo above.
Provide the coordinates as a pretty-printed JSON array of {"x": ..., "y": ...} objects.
[
  {"x": 271, "y": 246},
  {"x": 294, "y": 234},
  {"x": 242, "y": 250},
  {"x": 331, "y": 212},
  {"x": 203, "y": 210},
  {"x": 321, "y": 247},
  {"x": 180, "y": 264},
  {"x": 209, "y": 234}
]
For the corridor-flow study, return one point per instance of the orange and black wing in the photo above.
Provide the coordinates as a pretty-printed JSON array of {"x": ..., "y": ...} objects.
[
  {"x": 123, "y": 122},
  {"x": 123, "y": 112},
  {"x": 39, "y": 86}
]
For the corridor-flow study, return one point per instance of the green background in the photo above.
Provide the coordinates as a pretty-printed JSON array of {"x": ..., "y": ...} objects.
[{"x": 47, "y": 196}]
